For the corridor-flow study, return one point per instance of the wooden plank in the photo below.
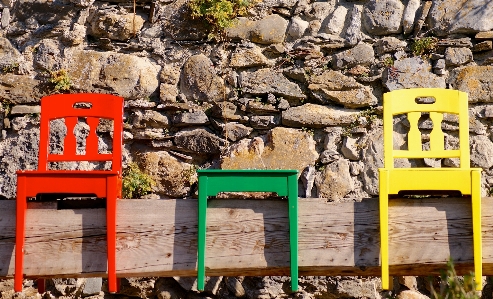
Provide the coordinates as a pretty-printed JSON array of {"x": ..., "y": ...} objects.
[{"x": 247, "y": 237}]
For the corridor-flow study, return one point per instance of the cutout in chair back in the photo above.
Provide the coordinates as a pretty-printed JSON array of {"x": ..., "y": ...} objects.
[
  {"x": 82, "y": 105},
  {"x": 425, "y": 100}
]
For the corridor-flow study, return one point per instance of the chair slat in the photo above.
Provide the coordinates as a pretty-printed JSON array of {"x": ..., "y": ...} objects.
[{"x": 426, "y": 154}]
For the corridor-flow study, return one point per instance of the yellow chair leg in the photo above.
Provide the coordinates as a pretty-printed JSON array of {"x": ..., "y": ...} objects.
[
  {"x": 384, "y": 229},
  {"x": 476, "y": 228}
]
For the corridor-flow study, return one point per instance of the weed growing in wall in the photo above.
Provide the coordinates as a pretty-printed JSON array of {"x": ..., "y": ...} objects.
[
  {"x": 219, "y": 14},
  {"x": 388, "y": 62},
  {"x": 424, "y": 46},
  {"x": 61, "y": 80},
  {"x": 10, "y": 68},
  {"x": 455, "y": 287},
  {"x": 364, "y": 118},
  {"x": 136, "y": 183}
]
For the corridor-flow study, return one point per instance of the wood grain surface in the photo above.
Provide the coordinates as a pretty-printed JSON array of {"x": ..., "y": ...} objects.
[{"x": 246, "y": 237}]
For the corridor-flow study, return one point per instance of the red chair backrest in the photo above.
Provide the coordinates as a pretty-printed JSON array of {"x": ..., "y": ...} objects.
[{"x": 71, "y": 107}]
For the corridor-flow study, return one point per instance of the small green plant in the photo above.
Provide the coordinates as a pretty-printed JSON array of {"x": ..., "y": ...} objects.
[
  {"x": 6, "y": 105},
  {"x": 455, "y": 287},
  {"x": 310, "y": 131},
  {"x": 424, "y": 46},
  {"x": 61, "y": 79},
  {"x": 364, "y": 118},
  {"x": 219, "y": 14},
  {"x": 388, "y": 62},
  {"x": 320, "y": 166},
  {"x": 189, "y": 174},
  {"x": 136, "y": 183},
  {"x": 10, "y": 68},
  {"x": 34, "y": 116}
]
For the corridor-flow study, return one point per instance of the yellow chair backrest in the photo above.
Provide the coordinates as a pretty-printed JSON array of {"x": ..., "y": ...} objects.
[{"x": 406, "y": 101}]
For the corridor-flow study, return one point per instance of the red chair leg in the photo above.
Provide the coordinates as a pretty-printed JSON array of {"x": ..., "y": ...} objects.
[
  {"x": 111, "y": 233},
  {"x": 20, "y": 222},
  {"x": 41, "y": 285}
]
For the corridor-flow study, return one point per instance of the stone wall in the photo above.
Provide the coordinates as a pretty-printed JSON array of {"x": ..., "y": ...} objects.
[{"x": 294, "y": 84}]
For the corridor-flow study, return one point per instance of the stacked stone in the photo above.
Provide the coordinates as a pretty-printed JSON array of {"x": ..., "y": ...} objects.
[{"x": 294, "y": 84}]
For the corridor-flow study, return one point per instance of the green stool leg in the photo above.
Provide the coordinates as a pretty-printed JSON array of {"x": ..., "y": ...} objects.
[
  {"x": 202, "y": 222},
  {"x": 293, "y": 229}
]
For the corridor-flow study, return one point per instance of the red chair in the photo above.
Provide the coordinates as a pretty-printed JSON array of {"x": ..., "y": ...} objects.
[{"x": 100, "y": 183}]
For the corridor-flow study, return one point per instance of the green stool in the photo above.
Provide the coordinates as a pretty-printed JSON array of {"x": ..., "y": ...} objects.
[{"x": 283, "y": 182}]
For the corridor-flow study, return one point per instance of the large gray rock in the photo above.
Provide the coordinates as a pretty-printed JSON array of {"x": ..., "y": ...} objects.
[
  {"x": 74, "y": 36},
  {"x": 190, "y": 118},
  {"x": 199, "y": 82},
  {"x": 283, "y": 148},
  {"x": 248, "y": 58},
  {"x": 461, "y": 16},
  {"x": 332, "y": 86},
  {"x": 21, "y": 89},
  {"x": 266, "y": 81},
  {"x": 92, "y": 286},
  {"x": 17, "y": 151},
  {"x": 320, "y": 10},
  {"x": 373, "y": 160},
  {"x": 477, "y": 81},
  {"x": 336, "y": 21},
  {"x": 389, "y": 44},
  {"x": 199, "y": 140},
  {"x": 381, "y": 17},
  {"x": 43, "y": 11},
  {"x": 227, "y": 111},
  {"x": 47, "y": 56},
  {"x": 115, "y": 25},
  {"x": 5, "y": 18},
  {"x": 263, "y": 122},
  {"x": 353, "y": 31},
  {"x": 168, "y": 93},
  {"x": 149, "y": 119},
  {"x": 362, "y": 54},
  {"x": 297, "y": 27},
  {"x": 458, "y": 56},
  {"x": 280, "y": 3},
  {"x": 334, "y": 182},
  {"x": 173, "y": 177},
  {"x": 481, "y": 151},
  {"x": 409, "y": 15},
  {"x": 354, "y": 287},
  {"x": 126, "y": 75},
  {"x": 234, "y": 131},
  {"x": 9, "y": 55},
  {"x": 269, "y": 30},
  {"x": 411, "y": 72},
  {"x": 317, "y": 116}
]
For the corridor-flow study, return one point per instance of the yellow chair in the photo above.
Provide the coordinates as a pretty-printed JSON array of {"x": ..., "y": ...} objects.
[{"x": 465, "y": 179}]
